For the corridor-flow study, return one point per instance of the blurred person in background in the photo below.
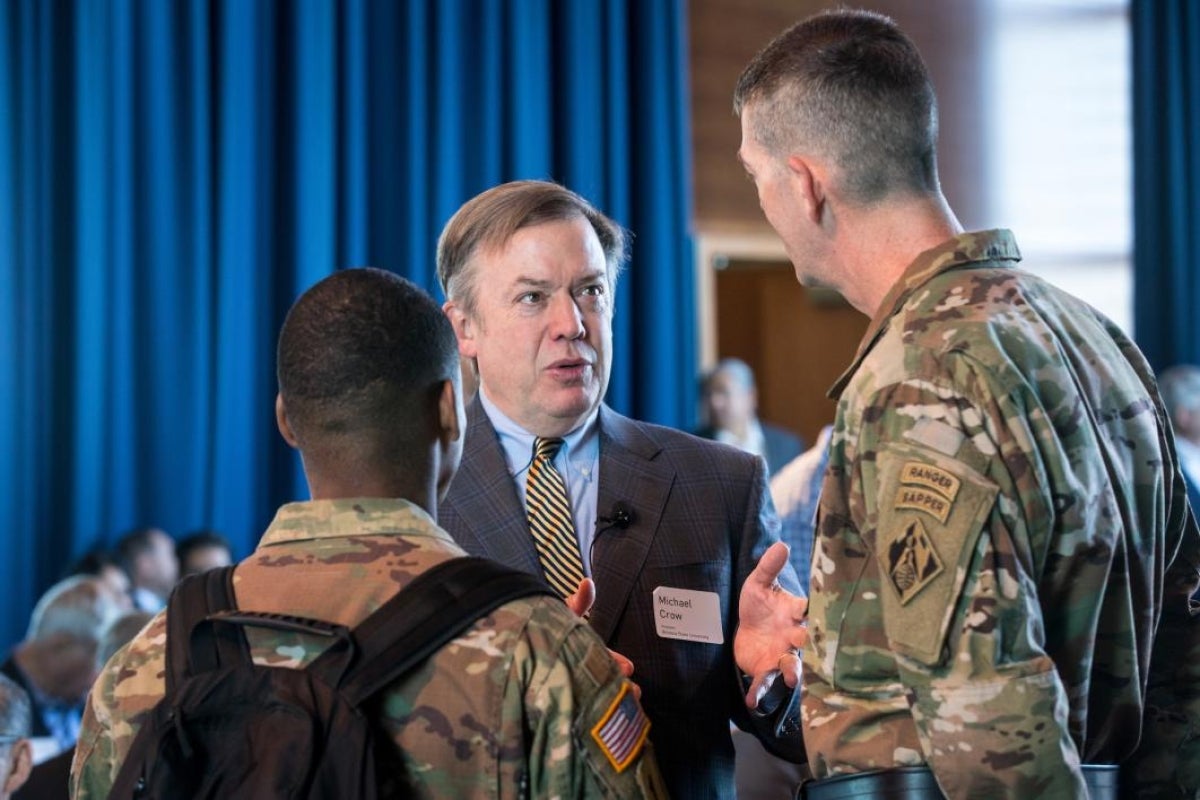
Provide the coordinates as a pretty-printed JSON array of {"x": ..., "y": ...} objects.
[
  {"x": 796, "y": 490},
  {"x": 50, "y": 779},
  {"x": 730, "y": 397},
  {"x": 103, "y": 564},
  {"x": 148, "y": 557},
  {"x": 1180, "y": 388},
  {"x": 201, "y": 551},
  {"x": 16, "y": 757},
  {"x": 56, "y": 662}
]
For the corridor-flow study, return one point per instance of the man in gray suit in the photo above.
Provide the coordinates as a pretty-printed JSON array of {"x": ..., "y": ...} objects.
[{"x": 667, "y": 526}]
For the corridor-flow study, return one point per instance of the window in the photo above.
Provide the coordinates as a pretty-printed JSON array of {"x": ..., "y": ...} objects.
[{"x": 1060, "y": 148}]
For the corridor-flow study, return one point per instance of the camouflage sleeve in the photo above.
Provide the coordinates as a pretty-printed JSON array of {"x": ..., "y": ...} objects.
[
  {"x": 129, "y": 685},
  {"x": 90, "y": 777},
  {"x": 589, "y": 732},
  {"x": 959, "y": 603}
]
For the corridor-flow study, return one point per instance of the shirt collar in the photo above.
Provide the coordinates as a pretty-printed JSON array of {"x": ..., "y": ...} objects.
[
  {"x": 998, "y": 246},
  {"x": 581, "y": 447}
]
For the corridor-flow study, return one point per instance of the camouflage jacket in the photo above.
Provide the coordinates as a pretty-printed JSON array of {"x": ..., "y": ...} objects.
[
  {"x": 515, "y": 707},
  {"x": 1001, "y": 505}
]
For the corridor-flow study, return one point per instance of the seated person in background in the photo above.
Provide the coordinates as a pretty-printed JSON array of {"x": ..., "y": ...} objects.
[
  {"x": 731, "y": 410},
  {"x": 102, "y": 564},
  {"x": 369, "y": 388},
  {"x": 15, "y": 752},
  {"x": 50, "y": 779},
  {"x": 148, "y": 556},
  {"x": 1180, "y": 389},
  {"x": 201, "y": 551},
  {"x": 56, "y": 663}
]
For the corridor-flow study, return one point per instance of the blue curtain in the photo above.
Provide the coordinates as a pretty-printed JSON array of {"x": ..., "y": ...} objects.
[
  {"x": 173, "y": 175},
  {"x": 1166, "y": 163}
]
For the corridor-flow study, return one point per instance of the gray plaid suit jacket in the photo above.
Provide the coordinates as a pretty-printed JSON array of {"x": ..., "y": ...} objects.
[{"x": 702, "y": 516}]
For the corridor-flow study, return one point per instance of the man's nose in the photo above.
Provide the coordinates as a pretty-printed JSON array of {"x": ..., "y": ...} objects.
[{"x": 567, "y": 318}]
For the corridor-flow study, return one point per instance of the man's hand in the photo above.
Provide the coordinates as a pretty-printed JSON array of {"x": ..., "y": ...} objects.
[
  {"x": 580, "y": 604},
  {"x": 770, "y": 625}
]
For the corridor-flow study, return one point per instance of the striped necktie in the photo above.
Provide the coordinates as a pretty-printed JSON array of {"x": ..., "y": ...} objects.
[{"x": 549, "y": 513}]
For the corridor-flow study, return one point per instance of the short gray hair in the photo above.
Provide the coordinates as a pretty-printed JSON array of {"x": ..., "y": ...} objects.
[
  {"x": 81, "y": 606},
  {"x": 851, "y": 86}
]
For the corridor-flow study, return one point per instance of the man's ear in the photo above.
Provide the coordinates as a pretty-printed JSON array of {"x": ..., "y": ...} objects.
[
  {"x": 450, "y": 413},
  {"x": 809, "y": 179},
  {"x": 281, "y": 420},
  {"x": 464, "y": 328},
  {"x": 20, "y": 763}
]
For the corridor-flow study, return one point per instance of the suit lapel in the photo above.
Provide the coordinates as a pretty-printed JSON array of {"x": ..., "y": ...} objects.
[
  {"x": 491, "y": 518},
  {"x": 629, "y": 474}
]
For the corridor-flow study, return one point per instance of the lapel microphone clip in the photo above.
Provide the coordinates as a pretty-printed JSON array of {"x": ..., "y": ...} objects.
[{"x": 621, "y": 516}]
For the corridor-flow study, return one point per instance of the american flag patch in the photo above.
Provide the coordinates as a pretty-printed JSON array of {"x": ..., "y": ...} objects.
[{"x": 622, "y": 730}]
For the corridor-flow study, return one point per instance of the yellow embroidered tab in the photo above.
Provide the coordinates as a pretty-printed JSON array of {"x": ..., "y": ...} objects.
[
  {"x": 622, "y": 730},
  {"x": 912, "y": 561},
  {"x": 931, "y": 503},
  {"x": 931, "y": 477}
]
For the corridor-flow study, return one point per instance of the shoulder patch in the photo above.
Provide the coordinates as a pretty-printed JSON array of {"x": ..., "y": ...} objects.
[
  {"x": 931, "y": 516},
  {"x": 622, "y": 729},
  {"x": 912, "y": 560},
  {"x": 931, "y": 477},
  {"x": 928, "y": 488}
]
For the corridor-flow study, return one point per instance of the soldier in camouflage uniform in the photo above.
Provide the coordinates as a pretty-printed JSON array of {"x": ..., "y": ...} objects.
[
  {"x": 369, "y": 393},
  {"x": 1004, "y": 555}
]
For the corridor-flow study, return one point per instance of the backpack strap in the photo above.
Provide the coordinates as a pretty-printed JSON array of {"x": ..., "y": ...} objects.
[
  {"x": 434, "y": 608},
  {"x": 192, "y": 600}
]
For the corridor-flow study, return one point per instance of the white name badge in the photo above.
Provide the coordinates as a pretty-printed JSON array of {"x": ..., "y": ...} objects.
[{"x": 687, "y": 614}]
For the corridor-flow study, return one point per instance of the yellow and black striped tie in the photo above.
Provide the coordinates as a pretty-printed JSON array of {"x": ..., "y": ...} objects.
[{"x": 550, "y": 520}]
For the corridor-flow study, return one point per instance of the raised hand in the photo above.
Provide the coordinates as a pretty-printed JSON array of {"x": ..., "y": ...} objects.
[
  {"x": 581, "y": 604},
  {"x": 771, "y": 625}
]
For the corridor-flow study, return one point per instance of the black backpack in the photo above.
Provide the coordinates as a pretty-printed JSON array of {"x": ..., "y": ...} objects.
[{"x": 229, "y": 728}]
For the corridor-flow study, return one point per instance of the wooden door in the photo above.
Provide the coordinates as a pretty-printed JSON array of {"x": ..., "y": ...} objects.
[{"x": 798, "y": 340}]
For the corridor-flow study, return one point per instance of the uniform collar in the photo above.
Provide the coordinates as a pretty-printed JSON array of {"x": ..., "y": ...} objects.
[
  {"x": 352, "y": 516},
  {"x": 997, "y": 246}
]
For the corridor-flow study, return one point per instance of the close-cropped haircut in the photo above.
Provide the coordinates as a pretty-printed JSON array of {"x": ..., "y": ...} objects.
[
  {"x": 363, "y": 350},
  {"x": 852, "y": 87},
  {"x": 488, "y": 222}
]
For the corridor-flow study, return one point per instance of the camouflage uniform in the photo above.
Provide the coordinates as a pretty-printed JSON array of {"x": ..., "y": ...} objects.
[
  {"x": 1001, "y": 503},
  {"x": 506, "y": 710}
]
